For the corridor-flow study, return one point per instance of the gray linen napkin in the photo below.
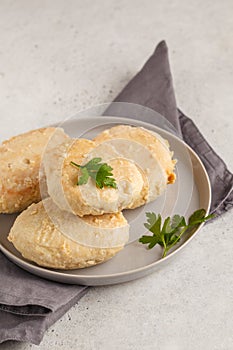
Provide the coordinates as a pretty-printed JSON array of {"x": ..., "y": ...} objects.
[
  {"x": 152, "y": 87},
  {"x": 29, "y": 304}
]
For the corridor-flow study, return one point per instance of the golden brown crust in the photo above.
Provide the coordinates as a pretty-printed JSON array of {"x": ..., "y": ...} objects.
[
  {"x": 20, "y": 159},
  {"x": 146, "y": 138},
  {"x": 37, "y": 239},
  {"x": 110, "y": 220}
]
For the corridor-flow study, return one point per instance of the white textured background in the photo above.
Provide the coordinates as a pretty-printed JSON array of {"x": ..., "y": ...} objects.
[{"x": 58, "y": 57}]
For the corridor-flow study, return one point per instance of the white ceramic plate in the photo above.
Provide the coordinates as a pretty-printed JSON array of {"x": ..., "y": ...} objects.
[{"x": 190, "y": 192}]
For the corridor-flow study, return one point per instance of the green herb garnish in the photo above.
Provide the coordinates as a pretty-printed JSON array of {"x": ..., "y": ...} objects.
[
  {"x": 101, "y": 173},
  {"x": 170, "y": 233}
]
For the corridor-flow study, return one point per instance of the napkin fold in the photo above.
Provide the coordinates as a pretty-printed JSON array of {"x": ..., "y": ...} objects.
[{"x": 29, "y": 305}]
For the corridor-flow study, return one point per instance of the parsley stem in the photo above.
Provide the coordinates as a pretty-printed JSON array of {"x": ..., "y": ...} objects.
[
  {"x": 164, "y": 252},
  {"x": 174, "y": 243},
  {"x": 165, "y": 247},
  {"x": 76, "y": 165}
]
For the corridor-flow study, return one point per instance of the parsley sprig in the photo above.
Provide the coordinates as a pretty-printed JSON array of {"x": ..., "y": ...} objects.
[
  {"x": 170, "y": 233},
  {"x": 101, "y": 173}
]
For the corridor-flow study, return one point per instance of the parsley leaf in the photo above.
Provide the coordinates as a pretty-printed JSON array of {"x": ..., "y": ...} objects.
[
  {"x": 172, "y": 229},
  {"x": 104, "y": 177},
  {"x": 154, "y": 225},
  {"x": 84, "y": 177},
  {"x": 101, "y": 173}
]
